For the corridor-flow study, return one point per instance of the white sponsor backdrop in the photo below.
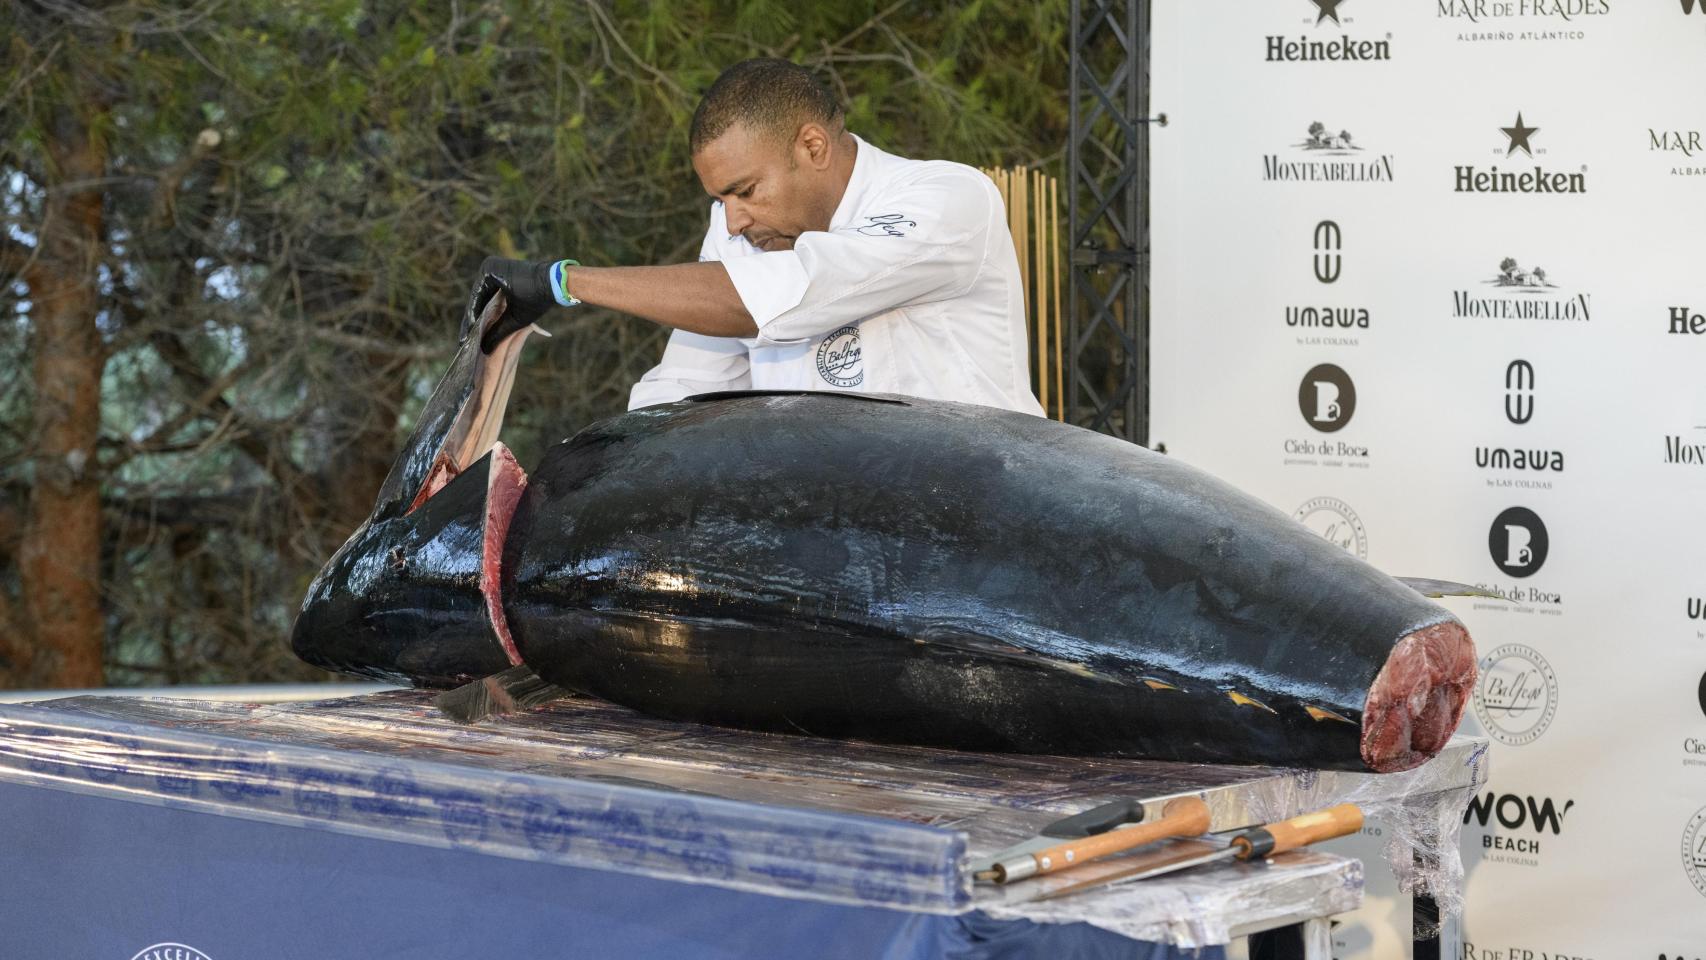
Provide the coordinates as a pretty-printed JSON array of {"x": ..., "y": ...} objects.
[{"x": 1593, "y": 844}]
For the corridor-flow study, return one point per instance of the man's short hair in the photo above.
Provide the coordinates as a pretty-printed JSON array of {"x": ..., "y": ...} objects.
[{"x": 768, "y": 95}]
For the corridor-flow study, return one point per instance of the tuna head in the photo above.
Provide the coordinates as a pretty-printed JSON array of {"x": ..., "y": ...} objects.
[{"x": 412, "y": 596}]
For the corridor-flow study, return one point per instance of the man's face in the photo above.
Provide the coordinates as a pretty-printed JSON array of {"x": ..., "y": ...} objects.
[{"x": 771, "y": 191}]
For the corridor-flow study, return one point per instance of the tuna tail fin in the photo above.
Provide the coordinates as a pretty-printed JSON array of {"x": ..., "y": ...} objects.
[
  {"x": 1434, "y": 589},
  {"x": 462, "y": 418},
  {"x": 508, "y": 691}
]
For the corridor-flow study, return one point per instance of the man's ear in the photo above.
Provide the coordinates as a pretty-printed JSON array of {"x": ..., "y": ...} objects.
[{"x": 812, "y": 145}]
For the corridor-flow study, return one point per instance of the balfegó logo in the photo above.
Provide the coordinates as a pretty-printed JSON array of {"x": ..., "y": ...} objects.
[
  {"x": 1694, "y": 850},
  {"x": 1334, "y": 521},
  {"x": 170, "y": 951},
  {"x": 838, "y": 358},
  {"x": 1516, "y": 695}
]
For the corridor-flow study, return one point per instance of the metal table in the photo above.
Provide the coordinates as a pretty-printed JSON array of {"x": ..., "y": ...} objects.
[{"x": 589, "y": 784}]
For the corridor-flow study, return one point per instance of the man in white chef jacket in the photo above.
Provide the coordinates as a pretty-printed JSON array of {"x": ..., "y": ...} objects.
[{"x": 828, "y": 265}]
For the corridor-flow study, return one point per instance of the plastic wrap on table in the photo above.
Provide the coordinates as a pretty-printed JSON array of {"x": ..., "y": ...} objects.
[{"x": 586, "y": 783}]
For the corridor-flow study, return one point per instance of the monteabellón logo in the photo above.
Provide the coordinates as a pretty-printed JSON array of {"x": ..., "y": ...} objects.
[
  {"x": 1334, "y": 521},
  {"x": 1687, "y": 451},
  {"x": 1684, "y": 148},
  {"x": 1336, "y": 47},
  {"x": 1327, "y": 157},
  {"x": 1516, "y": 694},
  {"x": 1521, "y": 21},
  {"x": 1521, "y": 293},
  {"x": 1535, "y": 180}
]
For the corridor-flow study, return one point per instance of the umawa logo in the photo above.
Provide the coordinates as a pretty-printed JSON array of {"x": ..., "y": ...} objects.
[
  {"x": 1521, "y": 466},
  {"x": 1521, "y": 21},
  {"x": 1521, "y": 293},
  {"x": 1520, "y": 136},
  {"x": 1327, "y": 324},
  {"x": 1524, "y": 819},
  {"x": 1337, "y": 47},
  {"x": 1683, "y": 148},
  {"x": 1327, "y": 157}
]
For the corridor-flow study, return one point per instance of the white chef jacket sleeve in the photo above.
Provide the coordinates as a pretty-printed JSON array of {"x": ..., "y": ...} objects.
[
  {"x": 692, "y": 362},
  {"x": 927, "y": 242}
]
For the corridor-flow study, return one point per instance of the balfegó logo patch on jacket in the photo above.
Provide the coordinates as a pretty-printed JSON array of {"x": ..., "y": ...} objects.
[{"x": 838, "y": 361}]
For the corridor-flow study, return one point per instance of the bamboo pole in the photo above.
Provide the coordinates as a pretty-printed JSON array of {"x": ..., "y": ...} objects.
[
  {"x": 1041, "y": 301},
  {"x": 1059, "y": 315}
]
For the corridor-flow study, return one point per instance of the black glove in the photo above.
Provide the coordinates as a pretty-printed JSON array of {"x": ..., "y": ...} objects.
[{"x": 527, "y": 290}]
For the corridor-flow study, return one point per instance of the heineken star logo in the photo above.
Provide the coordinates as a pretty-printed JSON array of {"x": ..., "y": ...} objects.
[
  {"x": 1519, "y": 135},
  {"x": 1329, "y": 9}
]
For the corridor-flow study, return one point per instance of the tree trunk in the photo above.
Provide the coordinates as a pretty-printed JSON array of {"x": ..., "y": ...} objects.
[{"x": 60, "y": 551}]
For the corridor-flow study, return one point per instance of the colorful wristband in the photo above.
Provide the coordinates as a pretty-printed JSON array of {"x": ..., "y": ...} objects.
[{"x": 559, "y": 289}]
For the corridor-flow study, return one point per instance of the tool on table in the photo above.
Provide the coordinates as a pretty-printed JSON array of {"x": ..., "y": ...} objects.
[
  {"x": 517, "y": 688},
  {"x": 1181, "y": 817},
  {"x": 1256, "y": 843},
  {"x": 1085, "y": 823}
]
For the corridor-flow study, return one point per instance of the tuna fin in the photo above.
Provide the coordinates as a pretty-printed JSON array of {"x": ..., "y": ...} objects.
[
  {"x": 987, "y": 647},
  {"x": 1445, "y": 588},
  {"x": 1155, "y": 684},
  {"x": 1244, "y": 701},
  {"x": 517, "y": 688},
  {"x": 1321, "y": 713}
]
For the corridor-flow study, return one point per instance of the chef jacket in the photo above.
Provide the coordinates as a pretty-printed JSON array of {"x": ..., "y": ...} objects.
[{"x": 914, "y": 289}]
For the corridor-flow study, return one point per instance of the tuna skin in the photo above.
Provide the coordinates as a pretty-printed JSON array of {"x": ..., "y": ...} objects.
[{"x": 892, "y": 569}]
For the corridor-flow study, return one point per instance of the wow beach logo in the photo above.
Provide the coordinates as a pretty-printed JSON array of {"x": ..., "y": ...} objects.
[{"x": 1324, "y": 156}]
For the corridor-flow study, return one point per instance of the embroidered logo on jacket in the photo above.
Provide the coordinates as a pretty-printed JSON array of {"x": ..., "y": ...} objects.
[
  {"x": 887, "y": 225},
  {"x": 838, "y": 361}
]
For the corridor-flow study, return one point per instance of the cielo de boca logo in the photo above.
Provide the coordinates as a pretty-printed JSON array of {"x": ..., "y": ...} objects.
[
  {"x": 1329, "y": 40},
  {"x": 1694, "y": 850},
  {"x": 1516, "y": 694},
  {"x": 838, "y": 358},
  {"x": 170, "y": 951},
  {"x": 1521, "y": 21},
  {"x": 1334, "y": 521},
  {"x": 1325, "y": 156},
  {"x": 1518, "y": 292},
  {"x": 1684, "y": 151},
  {"x": 1518, "y": 542},
  {"x": 1694, "y": 747},
  {"x": 1524, "y": 174},
  {"x": 1327, "y": 397},
  {"x": 1326, "y": 323}
]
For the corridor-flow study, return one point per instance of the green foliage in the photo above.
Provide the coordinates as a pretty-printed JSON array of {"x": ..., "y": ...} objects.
[{"x": 301, "y": 191}]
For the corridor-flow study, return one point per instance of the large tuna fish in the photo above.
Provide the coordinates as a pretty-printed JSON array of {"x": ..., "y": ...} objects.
[{"x": 850, "y": 565}]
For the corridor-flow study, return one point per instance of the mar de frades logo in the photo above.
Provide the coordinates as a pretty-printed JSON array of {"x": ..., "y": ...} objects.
[
  {"x": 838, "y": 360},
  {"x": 1516, "y": 694},
  {"x": 1336, "y": 47},
  {"x": 1518, "y": 542},
  {"x": 1528, "y": 180},
  {"x": 1683, "y": 149},
  {"x": 1334, "y": 521},
  {"x": 1521, "y": 293},
  {"x": 1521, "y": 21},
  {"x": 1327, "y": 398},
  {"x": 170, "y": 951},
  {"x": 1327, "y": 157}
]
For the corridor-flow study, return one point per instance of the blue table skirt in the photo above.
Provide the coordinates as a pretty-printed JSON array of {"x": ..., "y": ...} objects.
[{"x": 98, "y": 878}]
